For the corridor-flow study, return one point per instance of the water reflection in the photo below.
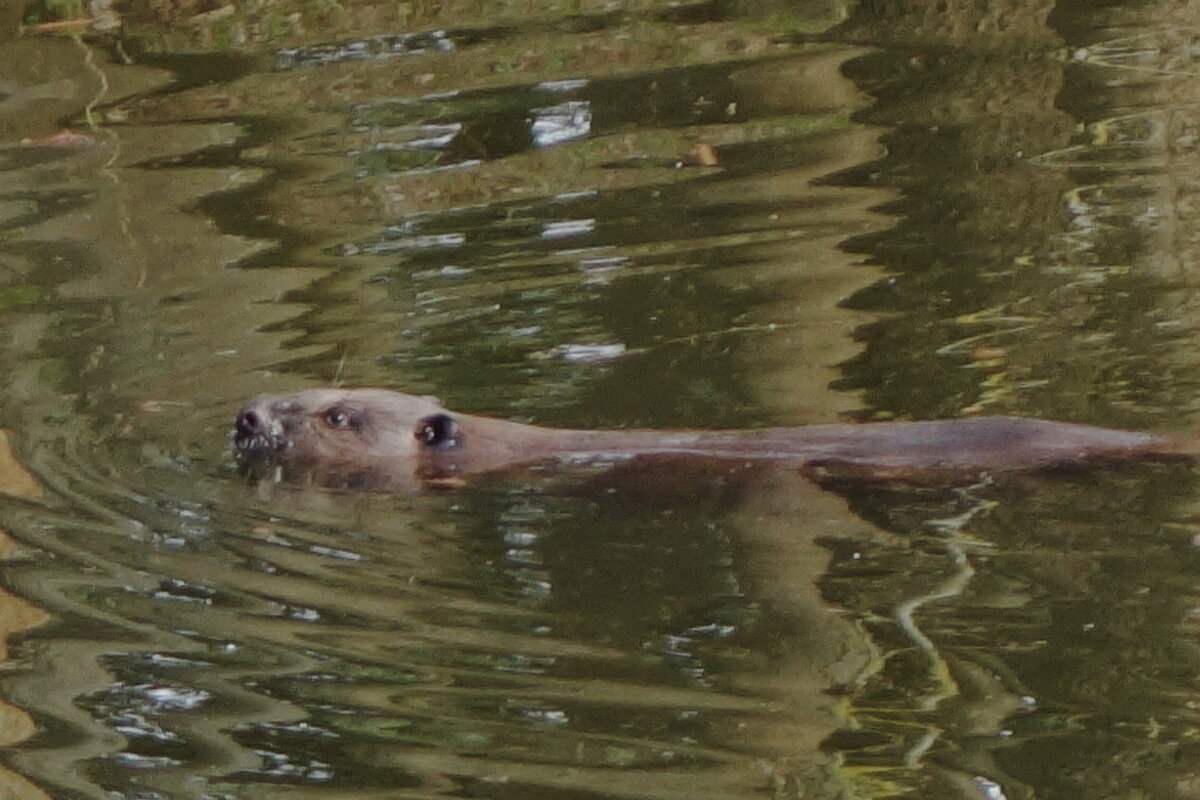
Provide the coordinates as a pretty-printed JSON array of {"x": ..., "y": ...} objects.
[{"x": 501, "y": 210}]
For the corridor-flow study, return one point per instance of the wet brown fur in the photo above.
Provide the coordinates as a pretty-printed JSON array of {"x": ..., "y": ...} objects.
[{"x": 399, "y": 438}]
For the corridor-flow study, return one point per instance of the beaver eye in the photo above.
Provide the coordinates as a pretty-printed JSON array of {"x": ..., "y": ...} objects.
[{"x": 339, "y": 419}]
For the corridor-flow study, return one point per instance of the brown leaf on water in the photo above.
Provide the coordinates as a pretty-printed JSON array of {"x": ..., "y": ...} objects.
[
  {"x": 14, "y": 478},
  {"x": 702, "y": 154},
  {"x": 66, "y": 139},
  {"x": 148, "y": 407},
  {"x": 59, "y": 26},
  {"x": 989, "y": 354}
]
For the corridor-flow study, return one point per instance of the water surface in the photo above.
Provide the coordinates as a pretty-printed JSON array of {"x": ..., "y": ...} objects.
[{"x": 921, "y": 214}]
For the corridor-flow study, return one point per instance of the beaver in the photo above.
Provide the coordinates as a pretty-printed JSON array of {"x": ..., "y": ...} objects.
[{"x": 401, "y": 439}]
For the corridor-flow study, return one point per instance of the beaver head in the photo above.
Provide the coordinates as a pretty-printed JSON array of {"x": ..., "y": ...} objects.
[{"x": 344, "y": 426}]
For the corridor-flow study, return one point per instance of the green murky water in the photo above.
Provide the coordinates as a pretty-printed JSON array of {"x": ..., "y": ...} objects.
[{"x": 917, "y": 211}]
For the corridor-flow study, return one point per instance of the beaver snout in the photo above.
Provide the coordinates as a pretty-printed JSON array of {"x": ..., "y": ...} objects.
[
  {"x": 255, "y": 431},
  {"x": 248, "y": 425}
]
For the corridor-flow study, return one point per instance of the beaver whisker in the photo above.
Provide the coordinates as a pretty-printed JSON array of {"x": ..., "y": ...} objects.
[
  {"x": 256, "y": 445},
  {"x": 256, "y": 434}
]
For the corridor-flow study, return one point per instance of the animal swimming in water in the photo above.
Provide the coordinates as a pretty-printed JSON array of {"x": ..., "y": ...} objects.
[{"x": 403, "y": 439}]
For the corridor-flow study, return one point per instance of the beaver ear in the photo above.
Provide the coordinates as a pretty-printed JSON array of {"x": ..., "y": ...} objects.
[{"x": 438, "y": 432}]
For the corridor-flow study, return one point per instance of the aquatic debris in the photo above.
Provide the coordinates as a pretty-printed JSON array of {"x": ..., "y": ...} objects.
[
  {"x": 582, "y": 353},
  {"x": 374, "y": 47},
  {"x": 702, "y": 154},
  {"x": 59, "y": 26},
  {"x": 561, "y": 123},
  {"x": 161, "y": 697},
  {"x": 564, "y": 86},
  {"x": 567, "y": 228},
  {"x": 66, "y": 139}
]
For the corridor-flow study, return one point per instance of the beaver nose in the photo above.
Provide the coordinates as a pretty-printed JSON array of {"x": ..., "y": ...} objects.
[
  {"x": 249, "y": 423},
  {"x": 254, "y": 430}
]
